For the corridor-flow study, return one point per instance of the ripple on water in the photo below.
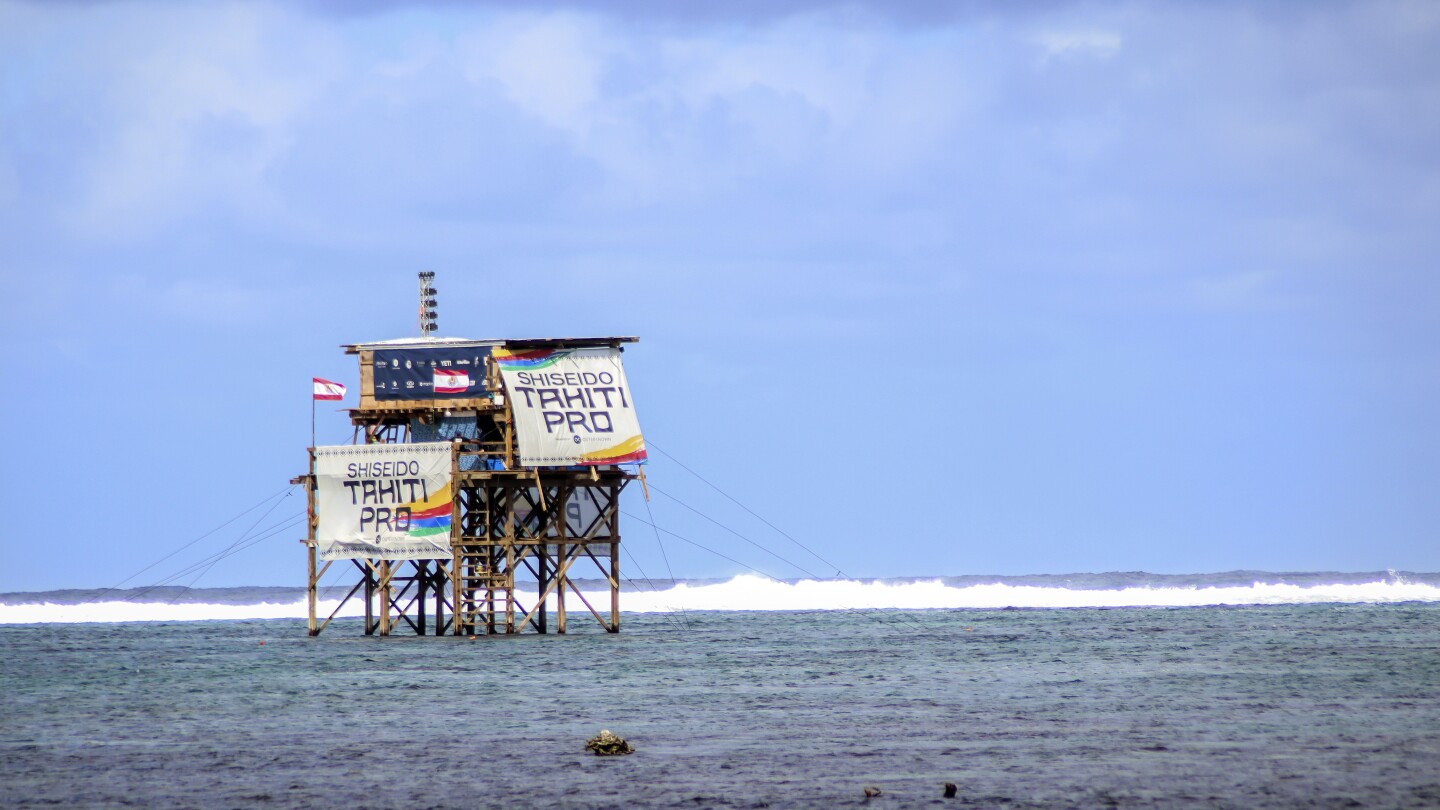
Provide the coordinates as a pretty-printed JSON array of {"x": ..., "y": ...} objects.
[{"x": 1207, "y": 707}]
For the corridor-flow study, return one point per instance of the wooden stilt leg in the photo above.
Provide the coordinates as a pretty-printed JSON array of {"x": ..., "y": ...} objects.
[
  {"x": 615, "y": 586},
  {"x": 312, "y": 591},
  {"x": 510, "y": 591},
  {"x": 384, "y": 597},
  {"x": 560, "y": 593},
  {"x": 369, "y": 600},
  {"x": 542, "y": 563}
]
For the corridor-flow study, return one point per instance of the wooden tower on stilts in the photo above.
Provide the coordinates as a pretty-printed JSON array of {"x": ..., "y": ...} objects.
[{"x": 483, "y": 480}]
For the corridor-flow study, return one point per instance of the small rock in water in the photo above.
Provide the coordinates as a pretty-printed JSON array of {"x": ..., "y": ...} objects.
[
  {"x": 950, "y": 790},
  {"x": 871, "y": 791},
  {"x": 608, "y": 744}
]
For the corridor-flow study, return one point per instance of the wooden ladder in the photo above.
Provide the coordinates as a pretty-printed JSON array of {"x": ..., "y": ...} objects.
[{"x": 483, "y": 588}]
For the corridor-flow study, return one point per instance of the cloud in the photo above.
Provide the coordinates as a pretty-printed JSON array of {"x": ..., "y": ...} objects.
[
  {"x": 738, "y": 12},
  {"x": 192, "y": 109},
  {"x": 1088, "y": 42},
  {"x": 548, "y": 65},
  {"x": 1076, "y": 230},
  {"x": 828, "y": 128}
]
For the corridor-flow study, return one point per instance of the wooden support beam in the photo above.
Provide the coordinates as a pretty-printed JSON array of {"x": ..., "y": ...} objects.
[
  {"x": 417, "y": 602},
  {"x": 312, "y": 588},
  {"x": 509, "y": 439},
  {"x": 457, "y": 514},
  {"x": 510, "y": 591},
  {"x": 542, "y": 583},
  {"x": 336, "y": 611},
  {"x": 509, "y": 551},
  {"x": 614, "y": 588},
  {"x": 559, "y": 578},
  {"x": 369, "y": 599},
  {"x": 615, "y": 554},
  {"x": 384, "y": 597},
  {"x": 614, "y": 581},
  {"x": 313, "y": 592},
  {"x": 609, "y": 628},
  {"x": 493, "y": 555},
  {"x": 439, "y": 591},
  {"x": 560, "y": 595},
  {"x": 457, "y": 579},
  {"x": 562, "y": 533}
]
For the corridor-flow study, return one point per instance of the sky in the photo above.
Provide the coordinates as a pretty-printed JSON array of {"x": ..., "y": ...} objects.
[{"x": 934, "y": 288}]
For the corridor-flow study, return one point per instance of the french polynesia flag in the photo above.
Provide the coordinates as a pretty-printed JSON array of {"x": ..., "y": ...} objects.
[
  {"x": 449, "y": 381},
  {"x": 324, "y": 389}
]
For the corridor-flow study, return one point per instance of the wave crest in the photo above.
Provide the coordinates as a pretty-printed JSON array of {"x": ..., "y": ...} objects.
[{"x": 752, "y": 593}]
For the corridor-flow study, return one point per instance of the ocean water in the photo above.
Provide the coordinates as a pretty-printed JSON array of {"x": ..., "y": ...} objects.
[
  {"x": 1305, "y": 703},
  {"x": 753, "y": 593}
]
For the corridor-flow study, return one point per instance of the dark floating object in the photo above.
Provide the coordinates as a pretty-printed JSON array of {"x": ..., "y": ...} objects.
[
  {"x": 871, "y": 791},
  {"x": 607, "y": 744},
  {"x": 950, "y": 790}
]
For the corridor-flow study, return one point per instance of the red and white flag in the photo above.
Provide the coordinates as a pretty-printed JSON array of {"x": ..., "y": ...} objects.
[
  {"x": 448, "y": 381},
  {"x": 324, "y": 389}
]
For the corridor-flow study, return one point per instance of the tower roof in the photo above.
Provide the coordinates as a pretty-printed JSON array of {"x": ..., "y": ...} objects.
[{"x": 462, "y": 343}]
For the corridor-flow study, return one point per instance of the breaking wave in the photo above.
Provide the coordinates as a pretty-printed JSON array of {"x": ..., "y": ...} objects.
[
  {"x": 753, "y": 593},
  {"x": 120, "y": 611}
]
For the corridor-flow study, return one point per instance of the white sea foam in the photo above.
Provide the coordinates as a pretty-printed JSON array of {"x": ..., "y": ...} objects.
[
  {"x": 45, "y": 613},
  {"x": 756, "y": 593}
]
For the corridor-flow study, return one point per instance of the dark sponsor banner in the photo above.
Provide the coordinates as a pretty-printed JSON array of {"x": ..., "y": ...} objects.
[{"x": 439, "y": 373}]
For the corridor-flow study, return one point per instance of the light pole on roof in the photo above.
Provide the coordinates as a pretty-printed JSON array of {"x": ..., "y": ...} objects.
[{"x": 427, "y": 304}]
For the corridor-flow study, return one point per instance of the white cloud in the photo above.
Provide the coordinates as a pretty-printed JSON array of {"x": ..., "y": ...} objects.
[
  {"x": 201, "y": 103},
  {"x": 1091, "y": 42},
  {"x": 826, "y": 69},
  {"x": 550, "y": 66}
]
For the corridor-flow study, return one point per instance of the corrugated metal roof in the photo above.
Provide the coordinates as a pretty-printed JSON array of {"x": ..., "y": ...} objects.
[{"x": 460, "y": 343}]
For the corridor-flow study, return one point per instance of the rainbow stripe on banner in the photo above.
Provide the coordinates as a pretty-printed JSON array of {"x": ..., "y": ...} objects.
[
  {"x": 528, "y": 359},
  {"x": 432, "y": 515},
  {"x": 391, "y": 501},
  {"x": 632, "y": 450}
]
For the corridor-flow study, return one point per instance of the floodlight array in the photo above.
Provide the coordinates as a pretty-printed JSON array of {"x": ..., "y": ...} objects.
[{"x": 427, "y": 304}]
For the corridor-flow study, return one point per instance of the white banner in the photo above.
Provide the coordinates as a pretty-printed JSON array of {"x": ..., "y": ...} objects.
[
  {"x": 383, "y": 501},
  {"x": 582, "y": 511},
  {"x": 572, "y": 406}
]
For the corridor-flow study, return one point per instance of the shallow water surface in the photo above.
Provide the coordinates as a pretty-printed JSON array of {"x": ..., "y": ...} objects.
[{"x": 1277, "y": 706}]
